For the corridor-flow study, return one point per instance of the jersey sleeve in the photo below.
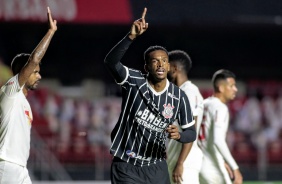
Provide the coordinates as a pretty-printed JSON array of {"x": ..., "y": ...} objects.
[
  {"x": 192, "y": 100},
  {"x": 186, "y": 119},
  {"x": 195, "y": 100},
  {"x": 12, "y": 87},
  {"x": 8, "y": 95},
  {"x": 199, "y": 103},
  {"x": 194, "y": 96},
  {"x": 133, "y": 78},
  {"x": 220, "y": 122},
  {"x": 113, "y": 58}
]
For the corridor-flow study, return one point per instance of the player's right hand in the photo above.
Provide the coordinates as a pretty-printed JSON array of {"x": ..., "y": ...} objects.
[
  {"x": 139, "y": 26},
  {"x": 173, "y": 132}
]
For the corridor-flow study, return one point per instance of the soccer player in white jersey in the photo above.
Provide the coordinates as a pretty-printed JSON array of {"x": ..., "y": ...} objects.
[
  {"x": 185, "y": 160},
  {"x": 213, "y": 132},
  {"x": 15, "y": 112}
]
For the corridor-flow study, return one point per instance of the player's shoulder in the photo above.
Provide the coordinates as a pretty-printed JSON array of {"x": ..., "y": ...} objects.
[
  {"x": 215, "y": 103},
  {"x": 134, "y": 72},
  {"x": 211, "y": 100},
  {"x": 190, "y": 87},
  {"x": 11, "y": 87},
  {"x": 12, "y": 81},
  {"x": 175, "y": 91},
  {"x": 189, "y": 84},
  {"x": 136, "y": 76},
  {"x": 175, "y": 88}
]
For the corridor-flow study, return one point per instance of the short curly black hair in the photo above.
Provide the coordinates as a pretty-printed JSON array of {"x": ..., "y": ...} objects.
[
  {"x": 19, "y": 62},
  {"x": 151, "y": 49},
  {"x": 181, "y": 57}
]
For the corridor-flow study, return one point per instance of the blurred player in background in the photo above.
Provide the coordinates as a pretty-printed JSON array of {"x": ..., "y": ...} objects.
[
  {"x": 185, "y": 160},
  {"x": 150, "y": 104},
  {"x": 5, "y": 72},
  {"x": 213, "y": 132},
  {"x": 15, "y": 112}
]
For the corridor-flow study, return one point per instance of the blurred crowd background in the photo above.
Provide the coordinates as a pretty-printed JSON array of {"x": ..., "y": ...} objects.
[{"x": 78, "y": 102}]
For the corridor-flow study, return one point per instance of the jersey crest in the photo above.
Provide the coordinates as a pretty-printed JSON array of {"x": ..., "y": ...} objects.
[
  {"x": 168, "y": 111},
  {"x": 131, "y": 153},
  {"x": 9, "y": 83},
  {"x": 28, "y": 117}
]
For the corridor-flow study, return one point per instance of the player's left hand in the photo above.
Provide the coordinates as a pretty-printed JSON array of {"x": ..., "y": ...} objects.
[{"x": 173, "y": 132}]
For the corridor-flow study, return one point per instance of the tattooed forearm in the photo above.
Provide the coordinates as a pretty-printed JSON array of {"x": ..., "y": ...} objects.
[{"x": 41, "y": 48}]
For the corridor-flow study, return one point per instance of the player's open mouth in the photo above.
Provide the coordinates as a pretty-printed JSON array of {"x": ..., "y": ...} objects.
[{"x": 160, "y": 71}]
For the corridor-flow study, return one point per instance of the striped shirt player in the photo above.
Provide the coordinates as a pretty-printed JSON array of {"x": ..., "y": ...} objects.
[
  {"x": 213, "y": 132},
  {"x": 138, "y": 139},
  {"x": 193, "y": 162},
  {"x": 139, "y": 136}
]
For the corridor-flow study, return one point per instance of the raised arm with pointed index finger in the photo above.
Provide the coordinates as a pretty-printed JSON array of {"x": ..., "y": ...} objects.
[
  {"x": 150, "y": 103},
  {"x": 139, "y": 26}
]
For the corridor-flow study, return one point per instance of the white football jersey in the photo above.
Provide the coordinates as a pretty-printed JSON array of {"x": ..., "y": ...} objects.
[
  {"x": 213, "y": 141},
  {"x": 194, "y": 158},
  {"x": 16, "y": 118}
]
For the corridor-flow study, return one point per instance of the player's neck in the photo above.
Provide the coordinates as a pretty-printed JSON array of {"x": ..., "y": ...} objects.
[
  {"x": 25, "y": 91},
  {"x": 158, "y": 86},
  {"x": 221, "y": 98},
  {"x": 181, "y": 79}
]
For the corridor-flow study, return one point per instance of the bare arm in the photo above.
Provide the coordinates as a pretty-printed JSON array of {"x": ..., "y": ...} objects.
[
  {"x": 38, "y": 52},
  {"x": 178, "y": 170}
]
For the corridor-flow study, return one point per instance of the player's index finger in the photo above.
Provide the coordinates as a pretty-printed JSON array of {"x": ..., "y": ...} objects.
[{"x": 144, "y": 13}]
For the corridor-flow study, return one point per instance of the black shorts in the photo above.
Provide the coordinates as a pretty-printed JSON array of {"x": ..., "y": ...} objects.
[{"x": 126, "y": 173}]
